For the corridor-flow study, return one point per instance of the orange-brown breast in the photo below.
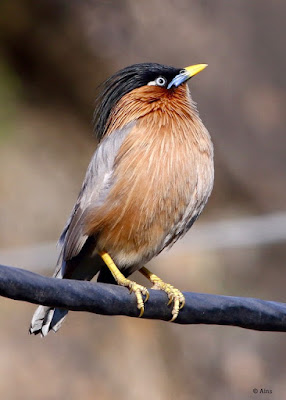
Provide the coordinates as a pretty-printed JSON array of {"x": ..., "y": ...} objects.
[{"x": 163, "y": 168}]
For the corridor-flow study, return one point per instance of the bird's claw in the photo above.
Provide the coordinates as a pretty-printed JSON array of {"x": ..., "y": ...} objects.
[
  {"x": 175, "y": 296},
  {"x": 121, "y": 280},
  {"x": 139, "y": 292}
]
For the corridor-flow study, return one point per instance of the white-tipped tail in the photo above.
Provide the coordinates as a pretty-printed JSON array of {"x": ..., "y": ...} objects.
[{"x": 46, "y": 319}]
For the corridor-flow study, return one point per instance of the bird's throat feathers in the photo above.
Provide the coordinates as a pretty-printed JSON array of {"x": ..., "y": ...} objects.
[{"x": 161, "y": 105}]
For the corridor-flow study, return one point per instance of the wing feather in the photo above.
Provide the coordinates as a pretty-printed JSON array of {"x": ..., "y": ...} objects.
[{"x": 94, "y": 190}]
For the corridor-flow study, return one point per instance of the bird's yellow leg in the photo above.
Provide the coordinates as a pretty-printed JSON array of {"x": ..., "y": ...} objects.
[
  {"x": 174, "y": 294},
  {"x": 138, "y": 290}
]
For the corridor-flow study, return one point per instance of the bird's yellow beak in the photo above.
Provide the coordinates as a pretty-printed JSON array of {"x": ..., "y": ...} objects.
[
  {"x": 186, "y": 74},
  {"x": 193, "y": 70}
]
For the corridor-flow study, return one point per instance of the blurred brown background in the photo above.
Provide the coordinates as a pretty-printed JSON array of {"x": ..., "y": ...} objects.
[{"x": 53, "y": 54}]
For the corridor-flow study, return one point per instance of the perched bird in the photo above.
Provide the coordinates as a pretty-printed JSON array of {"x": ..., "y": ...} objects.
[{"x": 148, "y": 181}]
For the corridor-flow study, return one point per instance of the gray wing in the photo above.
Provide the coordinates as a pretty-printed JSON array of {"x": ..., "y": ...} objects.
[{"x": 94, "y": 190}]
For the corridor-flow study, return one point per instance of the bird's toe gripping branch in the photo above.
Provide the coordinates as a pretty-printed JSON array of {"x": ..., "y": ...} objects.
[
  {"x": 175, "y": 296},
  {"x": 138, "y": 290}
]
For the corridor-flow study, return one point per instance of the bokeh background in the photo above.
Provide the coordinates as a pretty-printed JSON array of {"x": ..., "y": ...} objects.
[{"x": 53, "y": 55}]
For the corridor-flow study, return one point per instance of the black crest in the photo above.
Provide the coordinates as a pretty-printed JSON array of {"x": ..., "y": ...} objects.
[{"x": 123, "y": 82}]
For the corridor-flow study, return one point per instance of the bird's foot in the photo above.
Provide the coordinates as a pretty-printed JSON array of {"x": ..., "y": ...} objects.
[
  {"x": 134, "y": 287},
  {"x": 139, "y": 292},
  {"x": 175, "y": 296}
]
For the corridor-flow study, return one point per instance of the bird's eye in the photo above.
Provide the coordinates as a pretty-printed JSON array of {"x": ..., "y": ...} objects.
[
  {"x": 161, "y": 81},
  {"x": 182, "y": 71}
]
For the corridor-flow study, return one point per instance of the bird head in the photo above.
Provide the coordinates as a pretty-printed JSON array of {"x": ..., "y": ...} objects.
[{"x": 155, "y": 79}]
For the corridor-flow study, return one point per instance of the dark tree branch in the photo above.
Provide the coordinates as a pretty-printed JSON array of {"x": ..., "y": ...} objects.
[{"x": 99, "y": 298}]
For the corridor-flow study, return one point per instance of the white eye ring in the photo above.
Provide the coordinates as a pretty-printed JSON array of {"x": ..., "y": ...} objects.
[{"x": 160, "y": 81}]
